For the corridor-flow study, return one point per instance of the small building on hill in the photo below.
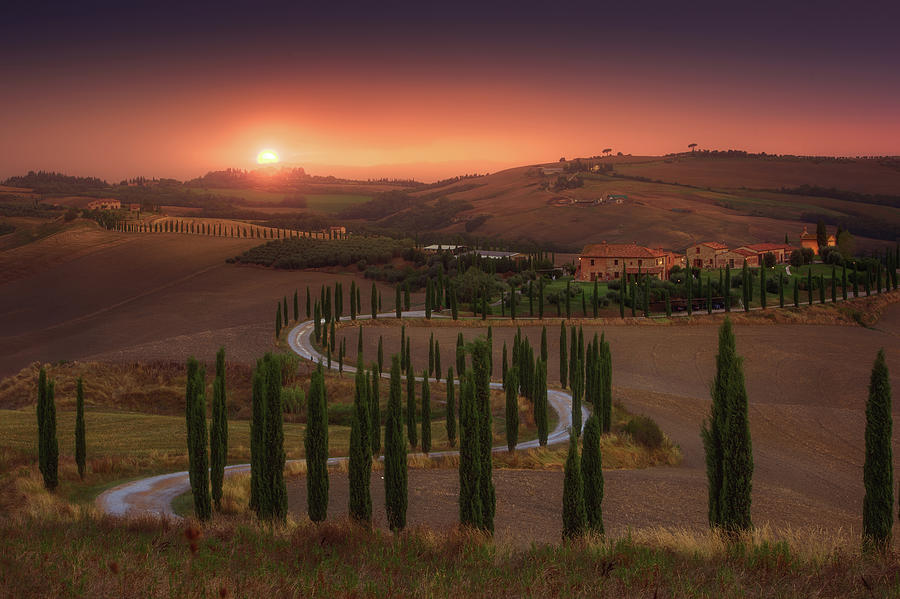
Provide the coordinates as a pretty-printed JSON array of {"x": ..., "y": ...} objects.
[
  {"x": 104, "y": 205},
  {"x": 437, "y": 248},
  {"x": 606, "y": 261},
  {"x": 809, "y": 240},
  {"x": 703, "y": 255},
  {"x": 736, "y": 258},
  {"x": 494, "y": 255},
  {"x": 781, "y": 251}
]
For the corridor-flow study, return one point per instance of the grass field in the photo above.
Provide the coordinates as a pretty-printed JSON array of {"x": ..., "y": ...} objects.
[{"x": 315, "y": 202}]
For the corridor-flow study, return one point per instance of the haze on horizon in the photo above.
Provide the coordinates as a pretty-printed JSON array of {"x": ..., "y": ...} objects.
[{"x": 117, "y": 90}]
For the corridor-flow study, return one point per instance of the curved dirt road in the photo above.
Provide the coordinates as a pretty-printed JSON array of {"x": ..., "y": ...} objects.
[{"x": 154, "y": 495}]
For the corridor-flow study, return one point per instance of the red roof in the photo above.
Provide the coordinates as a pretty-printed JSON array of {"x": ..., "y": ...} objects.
[
  {"x": 620, "y": 250},
  {"x": 744, "y": 252},
  {"x": 767, "y": 247},
  {"x": 715, "y": 245}
]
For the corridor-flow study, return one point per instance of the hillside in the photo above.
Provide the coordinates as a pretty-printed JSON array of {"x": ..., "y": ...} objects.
[{"x": 670, "y": 202}]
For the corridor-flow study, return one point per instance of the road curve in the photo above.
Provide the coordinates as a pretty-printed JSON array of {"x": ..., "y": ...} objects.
[{"x": 154, "y": 495}]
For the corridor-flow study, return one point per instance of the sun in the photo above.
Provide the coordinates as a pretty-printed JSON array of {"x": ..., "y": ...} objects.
[{"x": 267, "y": 157}]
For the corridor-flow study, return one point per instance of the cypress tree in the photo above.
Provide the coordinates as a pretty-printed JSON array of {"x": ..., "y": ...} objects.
[
  {"x": 430, "y": 355},
  {"x": 568, "y": 300},
  {"x": 278, "y": 321},
  {"x": 359, "y": 344},
  {"x": 403, "y": 347},
  {"x": 274, "y": 486},
  {"x": 451, "y": 409},
  {"x": 821, "y": 289},
  {"x": 563, "y": 359},
  {"x": 395, "y": 473},
  {"x": 380, "y": 354},
  {"x": 375, "y": 409},
  {"x": 470, "y": 508},
  {"x": 411, "y": 405},
  {"x": 583, "y": 303},
  {"x": 296, "y": 307},
  {"x": 198, "y": 457},
  {"x": 574, "y": 514},
  {"x": 878, "y": 471},
  {"x": 577, "y": 385},
  {"x": 426, "y": 415},
  {"x": 397, "y": 301},
  {"x": 668, "y": 303},
  {"x": 257, "y": 422},
  {"x": 544, "y": 343},
  {"x": 360, "y": 463},
  {"x": 407, "y": 301},
  {"x": 605, "y": 367},
  {"x": 437, "y": 360},
  {"x": 541, "y": 298},
  {"x": 833, "y": 283},
  {"x": 352, "y": 300},
  {"x": 48, "y": 447},
  {"x": 481, "y": 376},
  {"x": 762, "y": 287},
  {"x": 454, "y": 307},
  {"x": 592, "y": 470},
  {"x": 868, "y": 282},
  {"x": 460, "y": 355},
  {"x": 429, "y": 290},
  {"x": 284, "y": 312},
  {"x": 374, "y": 300},
  {"x": 531, "y": 299},
  {"x": 726, "y": 439},
  {"x": 689, "y": 280},
  {"x": 781, "y": 290},
  {"x": 408, "y": 353},
  {"x": 218, "y": 434},
  {"x": 316, "y": 446},
  {"x": 540, "y": 401},
  {"x": 726, "y": 289},
  {"x": 317, "y": 324},
  {"x": 511, "y": 385},
  {"x": 844, "y": 282},
  {"x": 307, "y": 302},
  {"x": 80, "y": 444},
  {"x": 796, "y": 293}
]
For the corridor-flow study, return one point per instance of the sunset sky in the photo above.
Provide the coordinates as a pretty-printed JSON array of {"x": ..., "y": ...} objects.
[{"x": 395, "y": 89}]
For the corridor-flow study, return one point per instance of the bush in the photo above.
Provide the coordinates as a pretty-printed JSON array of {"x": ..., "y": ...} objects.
[
  {"x": 644, "y": 431},
  {"x": 796, "y": 258},
  {"x": 293, "y": 400},
  {"x": 834, "y": 257},
  {"x": 769, "y": 260},
  {"x": 808, "y": 255},
  {"x": 300, "y": 253}
]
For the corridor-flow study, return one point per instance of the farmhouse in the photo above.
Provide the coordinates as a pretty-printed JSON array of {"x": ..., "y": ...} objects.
[
  {"x": 605, "y": 261},
  {"x": 809, "y": 240},
  {"x": 515, "y": 256},
  {"x": 736, "y": 258},
  {"x": 782, "y": 252},
  {"x": 703, "y": 255},
  {"x": 104, "y": 205},
  {"x": 440, "y": 247}
]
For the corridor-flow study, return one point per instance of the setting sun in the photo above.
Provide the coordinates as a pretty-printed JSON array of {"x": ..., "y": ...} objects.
[{"x": 267, "y": 157}]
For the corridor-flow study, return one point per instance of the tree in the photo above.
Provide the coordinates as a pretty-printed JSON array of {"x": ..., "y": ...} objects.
[
  {"x": 296, "y": 307},
  {"x": 821, "y": 235},
  {"x": 762, "y": 288},
  {"x": 274, "y": 489},
  {"x": 563, "y": 359},
  {"x": 541, "y": 298},
  {"x": 411, "y": 404},
  {"x": 374, "y": 300},
  {"x": 397, "y": 301},
  {"x": 568, "y": 299},
  {"x": 692, "y": 146},
  {"x": 407, "y": 302},
  {"x": 460, "y": 355},
  {"x": 80, "y": 444},
  {"x": 451, "y": 409},
  {"x": 470, "y": 508},
  {"x": 577, "y": 386},
  {"x": 380, "y": 353},
  {"x": 218, "y": 434},
  {"x": 878, "y": 470},
  {"x": 198, "y": 458},
  {"x": 48, "y": 447},
  {"x": 284, "y": 312},
  {"x": 726, "y": 440},
  {"x": 539, "y": 398},
  {"x": 426, "y": 414},
  {"x": 257, "y": 424},
  {"x": 360, "y": 462},
  {"x": 605, "y": 368},
  {"x": 481, "y": 378},
  {"x": 511, "y": 385},
  {"x": 316, "y": 446},
  {"x": 278, "y": 321},
  {"x": 395, "y": 473},
  {"x": 574, "y": 515},
  {"x": 375, "y": 409},
  {"x": 352, "y": 300},
  {"x": 592, "y": 471}
]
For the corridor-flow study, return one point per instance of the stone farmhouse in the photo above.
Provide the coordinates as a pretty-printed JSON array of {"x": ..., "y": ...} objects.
[{"x": 607, "y": 261}]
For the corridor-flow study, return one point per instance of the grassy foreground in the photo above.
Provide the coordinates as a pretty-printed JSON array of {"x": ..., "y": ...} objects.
[{"x": 85, "y": 555}]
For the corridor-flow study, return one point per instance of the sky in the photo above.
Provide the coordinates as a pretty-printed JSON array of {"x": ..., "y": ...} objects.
[{"x": 403, "y": 89}]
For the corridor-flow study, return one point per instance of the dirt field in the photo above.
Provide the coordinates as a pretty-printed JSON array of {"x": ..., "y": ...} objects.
[
  {"x": 146, "y": 297},
  {"x": 807, "y": 386}
]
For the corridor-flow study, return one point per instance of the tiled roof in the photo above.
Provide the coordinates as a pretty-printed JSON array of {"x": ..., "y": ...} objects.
[
  {"x": 715, "y": 245},
  {"x": 767, "y": 247},
  {"x": 620, "y": 250},
  {"x": 744, "y": 252}
]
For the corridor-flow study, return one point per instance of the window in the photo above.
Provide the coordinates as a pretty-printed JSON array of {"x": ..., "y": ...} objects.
[
  {"x": 698, "y": 250},
  {"x": 616, "y": 263},
  {"x": 640, "y": 262},
  {"x": 592, "y": 261}
]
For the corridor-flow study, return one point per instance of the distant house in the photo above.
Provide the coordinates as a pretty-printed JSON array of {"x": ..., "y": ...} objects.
[
  {"x": 782, "y": 252},
  {"x": 736, "y": 258},
  {"x": 606, "y": 261},
  {"x": 104, "y": 205},
  {"x": 440, "y": 247},
  {"x": 809, "y": 240},
  {"x": 703, "y": 255},
  {"x": 516, "y": 256}
]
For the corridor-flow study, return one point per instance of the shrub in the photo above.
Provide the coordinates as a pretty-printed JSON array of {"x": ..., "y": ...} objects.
[{"x": 644, "y": 431}]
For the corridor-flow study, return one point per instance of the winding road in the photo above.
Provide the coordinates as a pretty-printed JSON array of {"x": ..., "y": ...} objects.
[{"x": 154, "y": 495}]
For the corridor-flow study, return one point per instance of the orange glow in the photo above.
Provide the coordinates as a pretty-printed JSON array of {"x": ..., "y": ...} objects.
[{"x": 267, "y": 157}]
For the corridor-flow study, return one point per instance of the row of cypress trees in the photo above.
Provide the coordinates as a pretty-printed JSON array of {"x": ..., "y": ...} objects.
[
  {"x": 48, "y": 444},
  {"x": 583, "y": 483}
]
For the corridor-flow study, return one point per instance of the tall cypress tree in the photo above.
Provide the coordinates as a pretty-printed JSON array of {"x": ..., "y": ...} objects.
[
  {"x": 426, "y": 415},
  {"x": 360, "y": 463},
  {"x": 316, "y": 446},
  {"x": 278, "y": 321},
  {"x": 470, "y": 508},
  {"x": 411, "y": 405},
  {"x": 460, "y": 355},
  {"x": 198, "y": 456},
  {"x": 48, "y": 447},
  {"x": 511, "y": 385},
  {"x": 375, "y": 408},
  {"x": 796, "y": 292},
  {"x": 540, "y": 401},
  {"x": 568, "y": 300},
  {"x": 397, "y": 311},
  {"x": 541, "y": 298},
  {"x": 273, "y": 438},
  {"x": 577, "y": 385},
  {"x": 374, "y": 300},
  {"x": 844, "y": 282},
  {"x": 395, "y": 473},
  {"x": 781, "y": 290},
  {"x": 451, "y": 409},
  {"x": 437, "y": 360},
  {"x": 296, "y": 307},
  {"x": 80, "y": 443},
  {"x": 606, "y": 382},
  {"x": 257, "y": 423},
  {"x": 726, "y": 439},
  {"x": 481, "y": 377},
  {"x": 592, "y": 470},
  {"x": 878, "y": 471},
  {"x": 284, "y": 312},
  {"x": 563, "y": 359},
  {"x": 218, "y": 434},
  {"x": 574, "y": 514}
]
